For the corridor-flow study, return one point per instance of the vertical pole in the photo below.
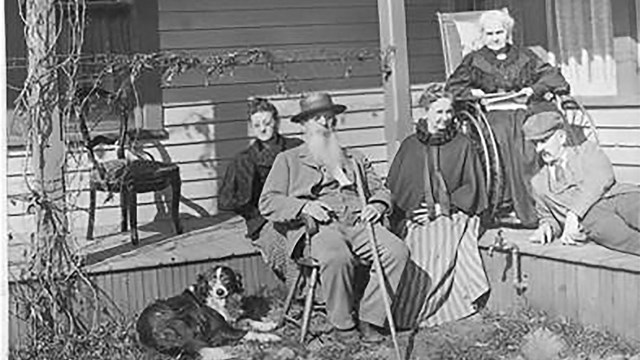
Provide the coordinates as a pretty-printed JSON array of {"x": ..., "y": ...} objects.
[
  {"x": 4, "y": 238},
  {"x": 47, "y": 146},
  {"x": 397, "y": 96}
]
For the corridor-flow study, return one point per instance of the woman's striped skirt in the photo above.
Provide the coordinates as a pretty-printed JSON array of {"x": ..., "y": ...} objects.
[{"x": 445, "y": 276}]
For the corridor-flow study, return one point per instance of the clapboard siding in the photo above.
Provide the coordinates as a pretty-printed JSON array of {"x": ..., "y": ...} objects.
[
  {"x": 225, "y": 5},
  {"x": 423, "y": 35},
  {"x": 619, "y": 135},
  {"x": 207, "y": 124},
  {"x": 264, "y": 18}
]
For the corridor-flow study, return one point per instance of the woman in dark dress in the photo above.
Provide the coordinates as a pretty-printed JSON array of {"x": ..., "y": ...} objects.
[
  {"x": 245, "y": 177},
  {"x": 501, "y": 67},
  {"x": 437, "y": 189}
]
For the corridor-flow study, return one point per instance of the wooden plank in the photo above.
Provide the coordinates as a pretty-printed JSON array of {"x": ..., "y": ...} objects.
[
  {"x": 357, "y": 100},
  {"x": 623, "y": 155},
  {"x": 588, "y": 291},
  {"x": 617, "y": 311},
  {"x": 619, "y": 137},
  {"x": 243, "y": 18},
  {"x": 149, "y": 285},
  {"x": 560, "y": 284},
  {"x": 217, "y": 132},
  {"x": 137, "y": 293},
  {"x": 634, "y": 310},
  {"x": 572, "y": 295},
  {"x": 627, "y": 174},
  {"x": 393, "y": 35},
  {"x": 204, "y": 5},
  {"x": 548, "y": 304},
  {"x": 606, "y": 291},
  {"x": 492, "y": 266},
  {"x": 615, "y": 117},
  {"x": 240, "y": 92},
  {"x": 165, "y": 282},
  {"x": 261, "y": 37}
]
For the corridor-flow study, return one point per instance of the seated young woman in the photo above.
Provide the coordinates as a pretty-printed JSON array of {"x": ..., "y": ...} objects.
[
  {"x": 436, "y": 182},
  {"x": 244, "y": 179}
]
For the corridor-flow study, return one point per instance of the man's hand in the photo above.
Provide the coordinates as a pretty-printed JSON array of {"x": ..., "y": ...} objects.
[
  {"x": 423, "y": 215},
  {"x": 527, "y": 92},
  {"x": 543, "y": 234},
  {"x": 371, "y": 213},
  {"x": 318, "y": 210},
  {"x": 572, "y": 233},
  {"x": 477, "y": 93}
]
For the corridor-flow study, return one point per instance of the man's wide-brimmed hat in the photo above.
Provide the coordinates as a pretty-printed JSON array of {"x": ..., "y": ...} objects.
[
  {"x": 314, "y": 104},
  {"x": 542, "y": 125}
]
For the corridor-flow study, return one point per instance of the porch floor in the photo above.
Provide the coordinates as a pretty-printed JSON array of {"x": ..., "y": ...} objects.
[
  {"x": 590, "y": 284},
  {"x": 205, "y": 238}
]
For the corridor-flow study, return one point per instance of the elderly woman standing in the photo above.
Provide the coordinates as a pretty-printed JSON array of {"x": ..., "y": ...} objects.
[
  {"x": 437, "y": 191},
  {"x": 502, "y": 67},
  {"x": 244, "y": 179}
]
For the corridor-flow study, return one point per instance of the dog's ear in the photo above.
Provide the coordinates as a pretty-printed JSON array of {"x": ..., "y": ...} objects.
[
  {"x": 238, "y": 286},
  {"x": 202, "y": 287}
]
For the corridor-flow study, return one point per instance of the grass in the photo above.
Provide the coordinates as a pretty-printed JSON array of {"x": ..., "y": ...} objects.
[{"x": 488, "y": 336}]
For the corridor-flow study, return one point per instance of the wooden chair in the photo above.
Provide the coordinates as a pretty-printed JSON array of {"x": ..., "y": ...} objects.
[
  {"x": 125, "y": 176},
  {"x": 308, "y": 272}
]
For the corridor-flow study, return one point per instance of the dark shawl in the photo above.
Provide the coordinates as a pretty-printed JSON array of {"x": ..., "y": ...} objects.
[
  {"x": 458, "y": 165},
  {"x": 244, "y": 179},
  {"x": 522, "y": 68}
]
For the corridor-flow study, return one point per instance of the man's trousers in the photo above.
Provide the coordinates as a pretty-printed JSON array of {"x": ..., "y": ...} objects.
[
  {"x": 614, "y": 222},
  {"x": 339, "y": 248}
]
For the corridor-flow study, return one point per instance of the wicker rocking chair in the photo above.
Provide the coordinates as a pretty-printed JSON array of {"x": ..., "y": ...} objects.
[{"x": 124, "y": 176}]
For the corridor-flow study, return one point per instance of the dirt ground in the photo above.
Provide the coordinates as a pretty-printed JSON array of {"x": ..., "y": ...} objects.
[{"x": 522, "y": 334}]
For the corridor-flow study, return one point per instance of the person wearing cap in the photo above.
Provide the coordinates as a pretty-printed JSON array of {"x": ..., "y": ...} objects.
[
  {"x": 576, "y": 194},
  {"x": 317, "y": 180},
  {"x": 500, "y": 66},
  {"x": 244, "y": 178}
]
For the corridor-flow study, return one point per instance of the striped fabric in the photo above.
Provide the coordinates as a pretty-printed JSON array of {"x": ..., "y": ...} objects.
[{"x": 445, "y": 276}]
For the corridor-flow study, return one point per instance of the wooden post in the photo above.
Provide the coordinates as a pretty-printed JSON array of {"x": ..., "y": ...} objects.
[
  {"x": 47, "y": 146},
  {"x": 4, "y": 238},
  {"x": 397, "y": 95}
]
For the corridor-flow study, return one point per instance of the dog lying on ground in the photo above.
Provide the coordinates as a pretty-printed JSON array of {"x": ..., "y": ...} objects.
[{"x": 199, "y": 321}]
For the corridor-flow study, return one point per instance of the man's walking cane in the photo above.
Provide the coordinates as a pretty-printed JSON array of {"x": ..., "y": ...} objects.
[{"x": 377, "y": 264}]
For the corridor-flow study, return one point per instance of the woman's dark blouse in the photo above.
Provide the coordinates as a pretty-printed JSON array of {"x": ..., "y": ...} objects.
[
  {"x": 460, "y": 167},
  {"x": 245, "y": 177},
  {"x": 521, "y": 68}
]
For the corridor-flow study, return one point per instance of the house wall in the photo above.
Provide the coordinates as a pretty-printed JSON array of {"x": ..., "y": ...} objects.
[
  {"x": 207, "y": 124},
  {"x": 426, "y": 62}
]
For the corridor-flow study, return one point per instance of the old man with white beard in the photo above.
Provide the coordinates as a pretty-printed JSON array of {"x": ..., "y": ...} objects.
[{"x": 317, "y": 179}]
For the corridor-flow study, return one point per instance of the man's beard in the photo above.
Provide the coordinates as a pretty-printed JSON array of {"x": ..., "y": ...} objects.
[{"x": 325, "y": 149}]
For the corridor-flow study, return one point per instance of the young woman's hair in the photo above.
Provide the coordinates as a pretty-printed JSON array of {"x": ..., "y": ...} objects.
[
  {"x": 502, "y": 16},
  {"x": 258, "y": 104},
  {"x": 432, "y": 93}
]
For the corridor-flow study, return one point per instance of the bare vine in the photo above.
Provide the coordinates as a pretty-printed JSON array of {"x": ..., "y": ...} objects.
[{"x": 52, "y": 101}]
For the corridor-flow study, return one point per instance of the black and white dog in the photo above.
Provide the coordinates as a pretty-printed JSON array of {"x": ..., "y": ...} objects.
[{"x": 199, "y": 321}]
